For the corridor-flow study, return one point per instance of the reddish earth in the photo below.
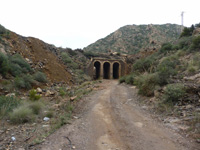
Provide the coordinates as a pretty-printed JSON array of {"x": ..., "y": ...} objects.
[{"x": 42, "y": 55}]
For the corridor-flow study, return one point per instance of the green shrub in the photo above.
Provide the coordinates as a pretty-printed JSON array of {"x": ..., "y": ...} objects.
[
  {"x": 4, "y": 32},
  {"x": 90, "y": 54},
  {"x": 4, "y": 64},
  {"x": 187, "y": 31},
  {"x": 73, "y": 65},
  {"x": 184, "y": 43},
  {"x": 173, "y": 93},
  {"x": 72, "y": 52},
  {"x": 40, "y": 77},
  {"x": 122, "y": 79},
  {"x": 17, "y": 59},
  {"x": 7, "y": 104},
  {"x": 129, "y": 79},
  {"x": 145, "y": 64},
  {"x": 36, "y": 107},
  {"x": 195, "y": 44},
  {"x": 166, "y": 47},
  {"x": 66, "y": 58},
  {"x": 15, "y": 70},
  {"x": 19, "y": 82},
  {"x": 21, "y": 114},
  {"x": 147, "y": 83},
  {"x": 33, "y": 96},
  {"x": 167, "y": 68},
  {"x": 24, "y": 82}
]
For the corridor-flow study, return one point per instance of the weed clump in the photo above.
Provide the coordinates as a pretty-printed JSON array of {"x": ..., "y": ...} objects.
[
  {"x": 21, "y": 114},
  {"x": 7, "y": 104}
]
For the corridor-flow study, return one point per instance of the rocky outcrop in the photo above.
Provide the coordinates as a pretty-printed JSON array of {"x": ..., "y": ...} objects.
[{"x": 196, "y": 32}]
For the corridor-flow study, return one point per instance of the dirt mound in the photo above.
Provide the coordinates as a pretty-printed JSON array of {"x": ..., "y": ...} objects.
[{"x": 41, "y": 56}]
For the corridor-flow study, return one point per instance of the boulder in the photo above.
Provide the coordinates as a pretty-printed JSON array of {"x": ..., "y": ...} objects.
[{"x": 39, "y": 90}]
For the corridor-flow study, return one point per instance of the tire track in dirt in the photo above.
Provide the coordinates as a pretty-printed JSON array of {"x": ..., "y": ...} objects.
[{"x": 111, "y": 120}]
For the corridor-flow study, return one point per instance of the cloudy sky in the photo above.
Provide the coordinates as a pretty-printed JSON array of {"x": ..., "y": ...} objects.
[{"x": 78, "y": 23}]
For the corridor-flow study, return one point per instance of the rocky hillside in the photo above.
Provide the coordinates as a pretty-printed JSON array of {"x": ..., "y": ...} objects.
[
  {"x": 133, "y": 38},
  {"x": 170, "y": 77}
]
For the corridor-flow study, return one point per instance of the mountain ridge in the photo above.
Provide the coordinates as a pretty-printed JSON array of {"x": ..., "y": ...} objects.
[{"x": 131, "y": 39}]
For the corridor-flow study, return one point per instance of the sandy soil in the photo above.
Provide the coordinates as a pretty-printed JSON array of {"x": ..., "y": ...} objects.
[{"x": 110, "y": 119}]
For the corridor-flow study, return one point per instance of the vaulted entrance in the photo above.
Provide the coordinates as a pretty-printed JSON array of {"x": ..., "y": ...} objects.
[
  {"x": 97, "y": 68},
  {"x": 116, "y": 70},
  {"x": 106, "y": 70}
]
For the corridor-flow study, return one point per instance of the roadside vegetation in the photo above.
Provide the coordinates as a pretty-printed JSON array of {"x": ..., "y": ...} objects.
[{"x": 163, "y": 75}]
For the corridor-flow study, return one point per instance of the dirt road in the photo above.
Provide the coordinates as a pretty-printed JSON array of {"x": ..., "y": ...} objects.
[{"x": 112, "y": 120}]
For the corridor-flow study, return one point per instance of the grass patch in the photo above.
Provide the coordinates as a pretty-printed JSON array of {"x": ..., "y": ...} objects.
[
  {"x": 22, "y": 114},
  {"x": 7, "y": 104},
  {"x": 36, "y": 107}
]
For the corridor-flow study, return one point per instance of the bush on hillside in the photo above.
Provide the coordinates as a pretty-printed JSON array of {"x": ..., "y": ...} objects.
[
  {"x": 187, "y": 31},
  {"x": 66, "y": 58},
  {"x": 195, "y": 44},
  {"x": 144, "y": 64},
  {"x": 90, "y": 54},
  {"x": 7, "y": 104},
  {"x": 173, "y": 93},
  {"x": 147, "y": 83},
  {"x": 21, "y": 114},
  {"x": 17, "y": 59},
  {"x": 36, "y": 107},
  {"x": 24, "y": 82},
  {"x": 167, "y": 68},
  {"x": 15, "y": 70},
  {"x": 129, "y": 79},
  {"x": 40, "y": 77},
  {"x": 166, "y": 47},
  {"x": 4, "y": 64},
  {"x": 184, "y": 43}
]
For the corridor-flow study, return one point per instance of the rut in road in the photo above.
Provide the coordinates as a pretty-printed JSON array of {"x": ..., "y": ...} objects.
[{"x": 111, "y": 120}]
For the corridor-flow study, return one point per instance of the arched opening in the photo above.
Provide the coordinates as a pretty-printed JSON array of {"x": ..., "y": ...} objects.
[
  {"x": 116, "y": 70},
  {"x": 97, "y": 68},
  {"x": 106, "y": 70}
]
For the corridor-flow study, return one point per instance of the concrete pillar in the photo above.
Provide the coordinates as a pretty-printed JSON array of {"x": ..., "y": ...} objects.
[
  {"x": 101, "y": 70},
  {"x": 111, "y": 70}
]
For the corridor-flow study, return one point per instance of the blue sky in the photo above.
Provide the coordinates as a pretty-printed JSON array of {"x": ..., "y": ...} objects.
[{"x": 78, "y": 23}]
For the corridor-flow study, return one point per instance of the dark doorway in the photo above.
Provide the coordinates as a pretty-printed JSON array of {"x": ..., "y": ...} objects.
[
  {"x": 116, "y": 71},
  {"x": 106, "y": 70},
  {"x": 97, "y": 68}
]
